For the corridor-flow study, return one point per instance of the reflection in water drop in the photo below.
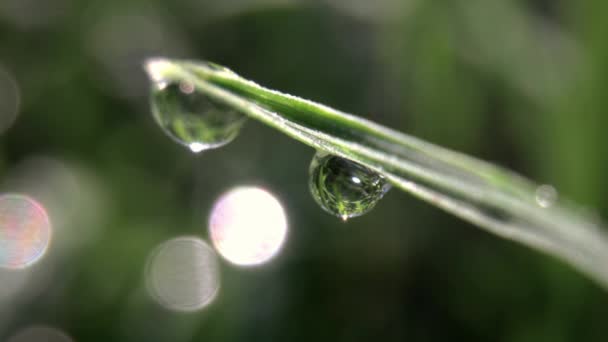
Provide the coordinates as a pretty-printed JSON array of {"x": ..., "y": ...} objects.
[
  {"x": 25, "y": 231},
  {"x": 40, "y": 334},
  {"x": 189, "y": 117},
  {"x": 248, "y": 226},
  {"x": 546, "y": 195},
  {"x": 344, "y": 188},
  {"x": 182, "y": 274},
  {"x": 186, "y": 88},
  {"x": 9, "y": 100}
]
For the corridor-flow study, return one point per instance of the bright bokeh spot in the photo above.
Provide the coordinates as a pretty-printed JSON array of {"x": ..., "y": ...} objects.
[
  {"x": 40, "y": 334},
  {"x": 183, "y": 274},
  {"x": 248, "y": 226},
  {"x": 25, "y": 231}
]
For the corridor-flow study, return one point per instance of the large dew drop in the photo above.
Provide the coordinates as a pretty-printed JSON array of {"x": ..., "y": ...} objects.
[
  {"x": 344, "y": 188},
  {"x": 193, "y": 119}
]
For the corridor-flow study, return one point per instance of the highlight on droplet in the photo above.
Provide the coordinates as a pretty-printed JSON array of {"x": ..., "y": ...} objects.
[
  {"x": 197, "y": 147},
  {"x": 40, "y": 333},
  {"x": 25, "y": 231},
  {"x": 248, "y": 226},
  {"x": 182, "y": 274}
]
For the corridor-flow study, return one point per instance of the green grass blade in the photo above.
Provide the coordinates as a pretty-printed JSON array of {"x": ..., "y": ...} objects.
[{"x": 484, "y": 194}]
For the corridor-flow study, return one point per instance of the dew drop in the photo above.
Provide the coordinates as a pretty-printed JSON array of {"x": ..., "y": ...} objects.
[
  {"x": 344, "y": 188},
  {"x": 546, "y": 195},
  {"x": 191, "y": 118}
]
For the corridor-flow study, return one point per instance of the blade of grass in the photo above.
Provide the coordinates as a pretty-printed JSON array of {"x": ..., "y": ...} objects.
[{"x": 491, "y": 197}]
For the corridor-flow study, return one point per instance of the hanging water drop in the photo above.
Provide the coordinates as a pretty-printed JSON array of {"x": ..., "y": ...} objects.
[
  {"x": 546, "y": 195},
  {"x": 344, "y": 188},
  {"x": 191, "y": 118}
]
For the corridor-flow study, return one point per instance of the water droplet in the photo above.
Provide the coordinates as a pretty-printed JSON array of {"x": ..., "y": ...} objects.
[
  {"x": 546, "y": 195},
  {"x": 344, "y": 188},
  {"x": 191, "y": 118}
]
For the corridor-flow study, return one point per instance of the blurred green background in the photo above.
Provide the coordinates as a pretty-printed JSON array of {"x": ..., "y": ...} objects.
[{"x": 520, "y": 83}]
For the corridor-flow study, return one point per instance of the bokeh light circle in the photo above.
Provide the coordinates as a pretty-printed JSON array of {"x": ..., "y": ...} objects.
[
  {"x": 183, "y": 274},
  {"x": 25, "y": 231},
  {"x": 248, "y": 226},
  {"x": 40, "y": 333}
]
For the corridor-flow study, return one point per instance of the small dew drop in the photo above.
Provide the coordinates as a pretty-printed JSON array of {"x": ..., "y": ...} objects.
[
  {"x": 191, "y": 118},
  {"x": 546, "y": 195},
  {"x": 344, "y": 188}
]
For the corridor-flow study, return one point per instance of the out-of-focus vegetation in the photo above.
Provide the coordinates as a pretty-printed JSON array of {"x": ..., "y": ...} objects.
[{"x": 520, "y": 83}]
